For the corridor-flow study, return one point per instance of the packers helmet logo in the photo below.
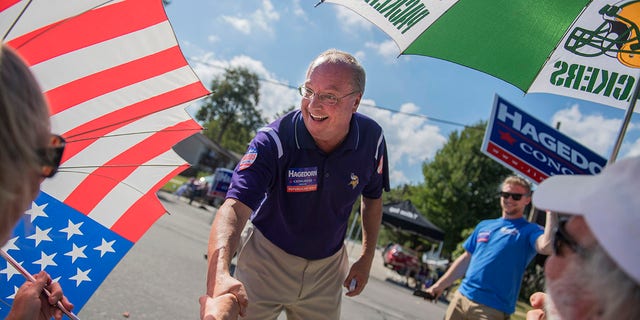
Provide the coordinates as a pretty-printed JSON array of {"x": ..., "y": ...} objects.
[
  {"x": 354, "y": 181},
  {"x": 616, "y": 37}
]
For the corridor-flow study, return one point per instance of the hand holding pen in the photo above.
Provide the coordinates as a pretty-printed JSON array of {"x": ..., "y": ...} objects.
[{"x": 39, "y": 297}]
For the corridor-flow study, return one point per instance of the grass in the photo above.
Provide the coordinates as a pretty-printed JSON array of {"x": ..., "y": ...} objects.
[
  {"x": 521, "y": 310},
  {"x": 174, "y": 183}
]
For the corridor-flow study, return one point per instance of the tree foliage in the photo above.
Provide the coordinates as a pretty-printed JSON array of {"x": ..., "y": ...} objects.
[
  {"x": 230, "y": 113},
  {"x": 460, "y": 186}
]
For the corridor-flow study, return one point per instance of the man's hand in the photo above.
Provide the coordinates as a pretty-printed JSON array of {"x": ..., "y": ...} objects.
[
  {"x": 230, "y": 285},
  {"x": 435, "y": 291},
  {"x": 537, "y": 302},
  {"x": 360, "y": 273},
  {"x": 224, "y": 307},
  {"x": 31, "y": 303}
]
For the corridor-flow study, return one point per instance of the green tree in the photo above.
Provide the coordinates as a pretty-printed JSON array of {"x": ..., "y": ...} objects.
[
  {"x": 460, "y": 186},
  {"x": 230, "y": 113}
]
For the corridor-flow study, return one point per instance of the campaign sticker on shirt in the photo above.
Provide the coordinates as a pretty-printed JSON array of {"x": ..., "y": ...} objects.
[
  {"x": 302, "y": 179},
  {"x": 484, "y": 236},
  {"x": 248, "y": 159}
]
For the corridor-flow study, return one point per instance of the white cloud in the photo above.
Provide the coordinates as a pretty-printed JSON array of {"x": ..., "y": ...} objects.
[
  {"x": 632, "y": 149},
  {"x": 274, "y": 98},
  {"x": 242, "y": 25},
  {"x": 351, "y": 20},
  {"x": 297, "y": 9},
  {"x": 387, "y": 49},
  {"x": 594, "y": 131},
  {"x": 213, "y": 38},
  {"x": 260, "y": 19},
  {"x": 410, "y": 140}
]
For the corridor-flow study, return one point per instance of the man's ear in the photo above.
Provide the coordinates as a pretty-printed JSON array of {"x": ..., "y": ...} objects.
[{"x": 356, "y": 104}]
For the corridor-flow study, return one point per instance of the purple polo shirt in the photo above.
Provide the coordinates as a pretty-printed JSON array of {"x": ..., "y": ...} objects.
[{"x": 301, "y": 196}]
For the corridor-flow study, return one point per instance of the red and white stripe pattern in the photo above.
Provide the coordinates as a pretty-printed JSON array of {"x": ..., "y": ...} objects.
[{"x": 117, "y": 84}]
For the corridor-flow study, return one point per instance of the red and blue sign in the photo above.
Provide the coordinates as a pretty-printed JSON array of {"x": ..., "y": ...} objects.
[{"x": 534, "y": 149}]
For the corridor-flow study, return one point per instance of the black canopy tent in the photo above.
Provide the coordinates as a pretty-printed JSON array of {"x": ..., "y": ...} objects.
[{"x": 405, "y": 216}]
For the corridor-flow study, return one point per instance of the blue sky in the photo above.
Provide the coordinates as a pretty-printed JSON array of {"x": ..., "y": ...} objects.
[{"x": 278, "y": 39}]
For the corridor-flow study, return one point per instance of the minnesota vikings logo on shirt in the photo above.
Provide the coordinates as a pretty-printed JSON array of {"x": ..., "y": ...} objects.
[{"x": 354, "y": 181}]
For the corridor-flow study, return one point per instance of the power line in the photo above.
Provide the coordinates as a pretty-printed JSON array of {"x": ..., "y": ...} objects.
[{"x": 410, "y": 114}]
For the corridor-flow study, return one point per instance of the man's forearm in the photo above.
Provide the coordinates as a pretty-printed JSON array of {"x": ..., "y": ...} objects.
[
  {"x": 544, "y": 242},
  {"x": 371, "y": 220},
  {"x": 223, "y": 243},
  {"x": 456, "y": 271}
]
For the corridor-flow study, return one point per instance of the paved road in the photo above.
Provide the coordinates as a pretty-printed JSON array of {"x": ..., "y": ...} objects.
[{"x": 164, "y": 274}]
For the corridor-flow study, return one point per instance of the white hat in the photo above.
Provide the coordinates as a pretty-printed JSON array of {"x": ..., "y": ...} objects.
[{"x": 609, "y": 202}]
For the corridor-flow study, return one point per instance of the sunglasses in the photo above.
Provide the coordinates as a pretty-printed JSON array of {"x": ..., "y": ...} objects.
[
  {"x": 514, "y": 196},
  {"x": 561, "y": 238},
  {"x": 51, "y": 156}
]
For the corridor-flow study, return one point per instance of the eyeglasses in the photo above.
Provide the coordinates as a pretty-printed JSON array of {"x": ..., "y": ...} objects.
[
  {"x": 561, "y": 237},
  {"x": 514, "y": 196},
  {"x": 324, "y": 98},
  {"x": 51, "y": 156}
]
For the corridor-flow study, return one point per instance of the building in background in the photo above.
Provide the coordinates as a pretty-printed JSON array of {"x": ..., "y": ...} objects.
[{"x": 205, "y": 155}]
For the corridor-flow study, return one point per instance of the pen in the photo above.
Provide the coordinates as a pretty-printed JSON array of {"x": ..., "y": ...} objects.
[{"x": 29, "y": 277}]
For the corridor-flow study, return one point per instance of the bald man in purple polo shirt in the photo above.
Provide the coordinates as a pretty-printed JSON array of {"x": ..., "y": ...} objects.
[{"x": 297, "y": 183}]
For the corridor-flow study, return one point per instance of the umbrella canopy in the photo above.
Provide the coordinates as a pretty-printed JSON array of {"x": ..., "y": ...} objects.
[
  {"x": 559, "y": 47},
  {"x": 405, "y": 216},
  {"x": 117, "y": 84}
]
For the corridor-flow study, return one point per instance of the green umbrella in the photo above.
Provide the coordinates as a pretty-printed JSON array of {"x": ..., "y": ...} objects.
[{"x": 577, "y": 48}]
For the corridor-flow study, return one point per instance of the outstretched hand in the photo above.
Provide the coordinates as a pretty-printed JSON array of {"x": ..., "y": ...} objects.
[
  {"x": 230, "y": 285},
  {"x": 224, "y": 307},
  {"x": 537, "y": 303}
]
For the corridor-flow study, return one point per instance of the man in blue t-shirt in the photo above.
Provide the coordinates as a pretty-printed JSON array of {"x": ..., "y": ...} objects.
[
  {"x": 297, "y": 183},
  {"x": 495, "y": 257}
]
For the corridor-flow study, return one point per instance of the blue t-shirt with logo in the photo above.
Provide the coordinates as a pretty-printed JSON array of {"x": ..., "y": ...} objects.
[
  {"x": 302, "y": 196},
  {"x": 500, "y": 251}
]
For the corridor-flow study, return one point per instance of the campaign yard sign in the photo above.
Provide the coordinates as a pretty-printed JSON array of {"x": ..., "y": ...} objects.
[{"x": 523, "y": 143}]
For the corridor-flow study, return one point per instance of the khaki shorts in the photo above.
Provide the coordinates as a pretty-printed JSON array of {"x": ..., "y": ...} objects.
[
  {"x": 461, "y": 308},
  {"x": 277, "y": 281}
]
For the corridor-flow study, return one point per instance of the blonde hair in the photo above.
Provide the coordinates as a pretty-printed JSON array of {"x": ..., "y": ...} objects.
[
  {"x": 337, "y": 56},
  {"x": 517, "y": 181},
  {"x": 24, "y": 127}
]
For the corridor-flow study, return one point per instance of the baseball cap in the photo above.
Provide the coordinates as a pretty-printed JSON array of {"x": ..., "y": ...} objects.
[{"x": 610, "y": 204}]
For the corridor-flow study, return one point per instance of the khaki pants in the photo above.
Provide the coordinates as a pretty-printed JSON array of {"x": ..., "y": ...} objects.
[
  {"x": 461, "y": 308},
  {"x": 277, "y": 281}
]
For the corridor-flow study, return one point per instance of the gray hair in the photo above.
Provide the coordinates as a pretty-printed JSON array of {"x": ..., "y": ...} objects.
[
  {"x": 24, "y": 127},
  {"x": 618, "y": 293},
  {"x": 337, "y": 56}
]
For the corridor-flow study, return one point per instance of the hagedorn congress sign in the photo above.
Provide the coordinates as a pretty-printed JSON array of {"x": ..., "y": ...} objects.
[{"x": 523, "y": 143}]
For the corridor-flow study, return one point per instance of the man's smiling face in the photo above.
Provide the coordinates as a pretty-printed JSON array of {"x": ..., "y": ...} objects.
[{"x": 329, "y": 124}]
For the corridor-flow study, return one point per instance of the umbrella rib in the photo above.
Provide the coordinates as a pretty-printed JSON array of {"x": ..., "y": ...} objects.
[
  {"x": 66, "y": 168},
  {"x": 16, "y": 20},
  {"x": 45, "y": 31},
  {"x": 71, "y": 140},
  {"x": 109, "y": 178}
]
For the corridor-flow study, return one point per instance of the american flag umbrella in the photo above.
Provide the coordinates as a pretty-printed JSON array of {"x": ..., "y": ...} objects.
[
  {"x": 583, "y": 49},
  {"x": 117, "y": 84}
]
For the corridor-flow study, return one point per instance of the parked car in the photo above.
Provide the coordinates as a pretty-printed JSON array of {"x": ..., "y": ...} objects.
[
  {"x": 211, "y": 189},
  {"x": 402, "y": 260}
]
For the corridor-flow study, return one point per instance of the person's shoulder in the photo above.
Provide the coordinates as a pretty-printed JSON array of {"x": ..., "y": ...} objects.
[
  {"x": 489, "y": 221},
  {"x": 534, "y": 226}
]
